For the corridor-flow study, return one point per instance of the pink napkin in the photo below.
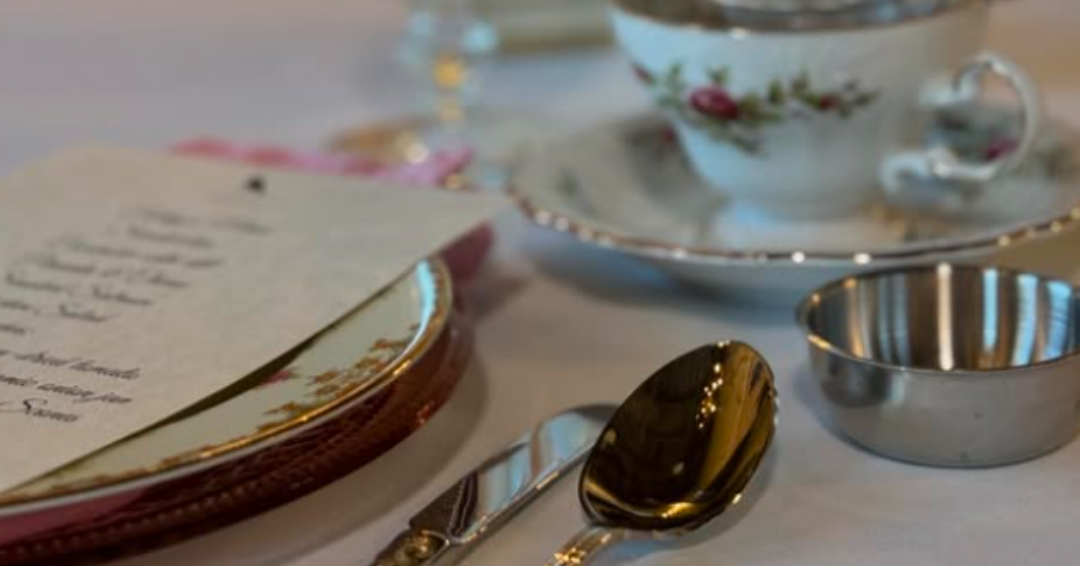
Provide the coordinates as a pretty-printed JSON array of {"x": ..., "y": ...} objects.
[{"x": 464, "y": 257}]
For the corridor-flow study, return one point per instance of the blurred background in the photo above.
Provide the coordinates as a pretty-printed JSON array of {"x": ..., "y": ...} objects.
[{"x": 142, "y": 73}]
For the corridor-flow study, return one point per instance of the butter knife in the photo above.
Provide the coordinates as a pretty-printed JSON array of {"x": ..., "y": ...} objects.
[{"x": 479, "y": 503}]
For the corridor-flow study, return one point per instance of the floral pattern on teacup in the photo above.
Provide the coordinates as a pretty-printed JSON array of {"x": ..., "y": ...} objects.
[{"x": 740, "y": 119}]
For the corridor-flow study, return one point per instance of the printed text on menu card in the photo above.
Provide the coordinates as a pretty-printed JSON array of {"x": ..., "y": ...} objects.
[
  {"x": 134, "y": 285},
  {"x": 89, "y": 281}
]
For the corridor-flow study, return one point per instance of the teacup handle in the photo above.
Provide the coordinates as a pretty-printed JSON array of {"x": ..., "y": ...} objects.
[{"x": 943, "y": 163}]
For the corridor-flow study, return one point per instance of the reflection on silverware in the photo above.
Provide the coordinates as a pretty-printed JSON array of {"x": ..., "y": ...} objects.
[
  {"x": 948, "y": 365},
  {"x": 679, "y": 451},
  {"x": 487, "y": 497}
]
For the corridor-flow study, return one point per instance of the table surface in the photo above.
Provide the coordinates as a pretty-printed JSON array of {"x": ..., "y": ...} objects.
[{"x": 558, "y": 324}]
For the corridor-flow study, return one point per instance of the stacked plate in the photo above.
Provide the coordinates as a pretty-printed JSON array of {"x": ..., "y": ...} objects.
[{"x": 305, "y": 419}]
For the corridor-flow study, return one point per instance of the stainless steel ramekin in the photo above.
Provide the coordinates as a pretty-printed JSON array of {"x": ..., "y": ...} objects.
[{"x": 948, "y": 365}]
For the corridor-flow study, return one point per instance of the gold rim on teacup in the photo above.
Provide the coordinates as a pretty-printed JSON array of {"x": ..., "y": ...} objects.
[{"x": 786, "y": 16}]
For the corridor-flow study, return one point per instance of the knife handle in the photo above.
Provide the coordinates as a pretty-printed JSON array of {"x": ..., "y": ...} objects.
[{"x": 412, "y": 548}]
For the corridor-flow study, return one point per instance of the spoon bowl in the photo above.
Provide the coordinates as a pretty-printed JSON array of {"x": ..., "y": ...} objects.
[{"x": 679, "y": 451}]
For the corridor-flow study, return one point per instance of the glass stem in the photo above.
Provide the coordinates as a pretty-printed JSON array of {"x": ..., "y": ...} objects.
[{"x": 449, "y": 42}]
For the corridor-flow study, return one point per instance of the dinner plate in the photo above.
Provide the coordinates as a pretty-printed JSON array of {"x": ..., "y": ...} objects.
[
  {"x": 172, "y": 511},
  {"x": 626, "y": 186},
  {"x": 344, "y": 365}
]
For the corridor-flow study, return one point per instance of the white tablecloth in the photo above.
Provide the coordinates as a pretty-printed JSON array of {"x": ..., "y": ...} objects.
[{"x": 558, "y": 324}]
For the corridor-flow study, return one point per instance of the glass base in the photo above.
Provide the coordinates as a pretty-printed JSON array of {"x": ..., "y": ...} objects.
[{"x": 498, "y": 140}]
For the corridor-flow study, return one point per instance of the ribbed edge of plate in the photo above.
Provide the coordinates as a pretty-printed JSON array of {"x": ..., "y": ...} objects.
[
  {"x": 211, "y": 456},
  {"x": 215, "y": 498}
]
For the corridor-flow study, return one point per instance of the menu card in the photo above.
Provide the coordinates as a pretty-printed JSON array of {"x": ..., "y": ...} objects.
[{"x": 133, "y": 284}]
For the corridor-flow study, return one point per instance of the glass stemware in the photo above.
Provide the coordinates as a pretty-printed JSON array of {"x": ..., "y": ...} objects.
[{"x": 448, "y": 46}]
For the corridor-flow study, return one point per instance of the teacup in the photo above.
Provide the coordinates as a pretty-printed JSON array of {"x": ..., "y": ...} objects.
[{"x": 808, "y": 108}]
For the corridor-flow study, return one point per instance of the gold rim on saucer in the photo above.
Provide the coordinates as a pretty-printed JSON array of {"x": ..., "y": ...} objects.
[
  {"x": 658, "y": 249},
  {"x": 589, "y": 230}
]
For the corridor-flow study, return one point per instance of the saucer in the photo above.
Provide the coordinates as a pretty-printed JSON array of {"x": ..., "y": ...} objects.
[{"x": 627, "y": 186}]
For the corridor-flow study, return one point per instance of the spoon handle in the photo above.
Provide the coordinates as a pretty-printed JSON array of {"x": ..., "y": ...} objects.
[{"x": 580, "y": 549}]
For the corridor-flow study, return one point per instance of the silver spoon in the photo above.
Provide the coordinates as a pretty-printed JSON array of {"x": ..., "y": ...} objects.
[{"x": 678, "y": 452}]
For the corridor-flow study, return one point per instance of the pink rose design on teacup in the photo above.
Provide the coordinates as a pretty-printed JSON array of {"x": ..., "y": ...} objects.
[{"x": 714, "y": 101}]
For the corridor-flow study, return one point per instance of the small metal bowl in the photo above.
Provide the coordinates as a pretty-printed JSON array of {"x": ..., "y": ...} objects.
[{"x": 948, "y": 365}]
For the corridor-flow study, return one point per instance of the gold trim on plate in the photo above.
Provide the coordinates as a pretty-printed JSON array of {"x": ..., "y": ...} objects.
[{"x": 404, "y": 353}]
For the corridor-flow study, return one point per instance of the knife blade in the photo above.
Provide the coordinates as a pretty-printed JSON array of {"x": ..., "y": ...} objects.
[{"x": 482, "y": 501}]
